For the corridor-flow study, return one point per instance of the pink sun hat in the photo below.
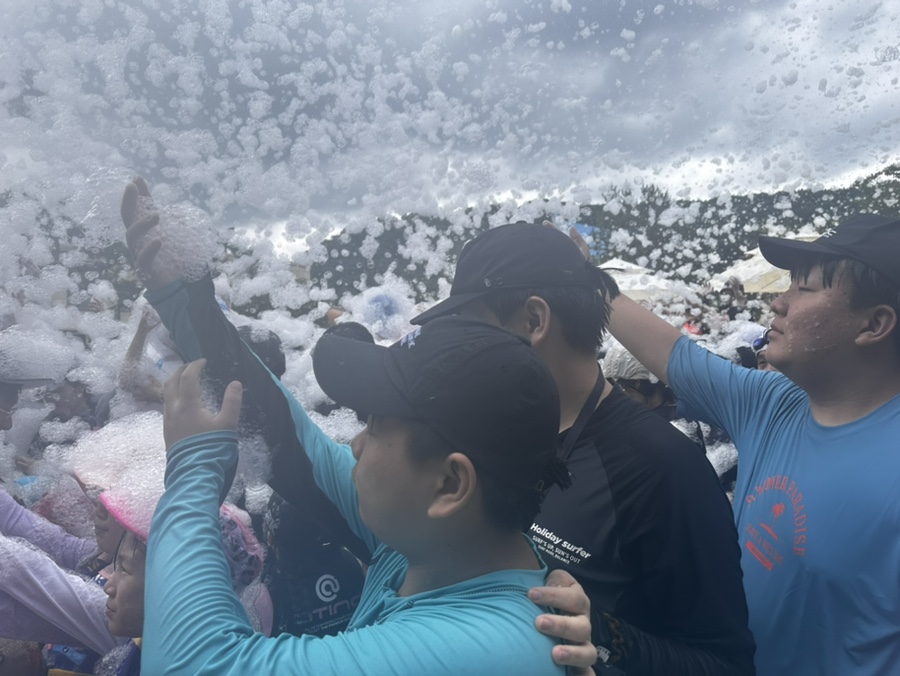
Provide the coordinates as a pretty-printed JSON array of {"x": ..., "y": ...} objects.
[{"x": 132, "y": 502}]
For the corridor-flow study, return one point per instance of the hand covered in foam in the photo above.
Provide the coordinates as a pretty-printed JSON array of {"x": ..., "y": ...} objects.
[
  {"x": 186, "y": 414},
  {"x": 166, "y": 244}
]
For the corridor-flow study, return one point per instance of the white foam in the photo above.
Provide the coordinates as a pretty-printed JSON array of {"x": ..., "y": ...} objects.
[
  {"x": 188, "y": 242},
  {"x": 34, "y": 355},
  {"x": 101, "y": 457}
]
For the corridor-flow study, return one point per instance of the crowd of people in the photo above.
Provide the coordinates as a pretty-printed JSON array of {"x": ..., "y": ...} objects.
[{"x": 495, "y": 447}]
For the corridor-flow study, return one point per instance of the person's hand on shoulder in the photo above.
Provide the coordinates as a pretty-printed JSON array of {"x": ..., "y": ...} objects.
[
  {"x": 184, "y": 412},
  {"x": 572, "y": 624}
]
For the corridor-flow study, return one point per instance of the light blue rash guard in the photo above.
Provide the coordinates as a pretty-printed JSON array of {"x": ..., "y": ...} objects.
[
  {"x": 194, "y": 623},
  {"x": 818, "y": 518}
]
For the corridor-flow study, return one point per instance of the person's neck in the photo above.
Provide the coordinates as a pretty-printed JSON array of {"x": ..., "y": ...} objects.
[
  {"x": 465, "y": 558},
  {"x": 575, "y": 374},
  {"x": 857, "y": 393}
]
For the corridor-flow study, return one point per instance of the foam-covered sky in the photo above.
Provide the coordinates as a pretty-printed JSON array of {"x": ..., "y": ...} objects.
[{"x": 308, "y": 112}]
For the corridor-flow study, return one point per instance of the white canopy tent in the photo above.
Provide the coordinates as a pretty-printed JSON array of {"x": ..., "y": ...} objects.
[
  {"x": 756, "y": 273},
  {"x": 643, "y": 284}
]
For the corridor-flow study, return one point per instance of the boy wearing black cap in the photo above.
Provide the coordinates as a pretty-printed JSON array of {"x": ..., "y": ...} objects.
[
  {"x": 200, "y": 329},
  {"x": 458, "y": 451},
  {"x": 816, "y": 501},
  {"x": 645, "y": 527}
]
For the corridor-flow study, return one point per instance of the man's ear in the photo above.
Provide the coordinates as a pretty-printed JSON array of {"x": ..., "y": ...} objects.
[
  {"x": 456, "y": 486},
  {"x": 537, "y": 318},
  {"x": 881, "y": 324}
]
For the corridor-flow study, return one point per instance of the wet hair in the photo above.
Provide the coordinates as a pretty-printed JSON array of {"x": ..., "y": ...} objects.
[
  {"x": 138, "y": 548},
  {"x": 867, "y": 286},
  {"x": 583, "y": 312},
  {"x": 506, "y": 506}
]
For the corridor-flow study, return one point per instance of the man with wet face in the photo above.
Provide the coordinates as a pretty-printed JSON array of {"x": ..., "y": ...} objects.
[
  {"x": 816, "y": 502},
  {"x": 125, "y": 588}
]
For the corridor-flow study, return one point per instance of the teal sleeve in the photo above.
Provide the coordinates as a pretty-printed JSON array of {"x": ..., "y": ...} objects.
[
  {"x": 194, "y": 623},
  {"x": 332, "y": 469}
]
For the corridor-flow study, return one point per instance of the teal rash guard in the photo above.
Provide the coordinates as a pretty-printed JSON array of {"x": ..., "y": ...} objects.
[{"x": 194, "y": 623}]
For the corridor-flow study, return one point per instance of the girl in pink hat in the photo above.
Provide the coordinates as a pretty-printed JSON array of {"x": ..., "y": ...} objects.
[
  {"x": 125, "y": 586},
  {"x": 42, "y": 601}
]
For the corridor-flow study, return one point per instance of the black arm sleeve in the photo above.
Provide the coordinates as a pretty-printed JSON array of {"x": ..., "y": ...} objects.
[
  {"x": 642, "y": 654},
  {"x": 266, "y": 411}
]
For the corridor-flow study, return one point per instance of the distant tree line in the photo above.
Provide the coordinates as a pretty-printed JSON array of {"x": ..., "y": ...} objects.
[{"x": 688, "y": 239}]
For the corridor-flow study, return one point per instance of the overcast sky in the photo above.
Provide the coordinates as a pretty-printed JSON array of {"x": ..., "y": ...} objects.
[{"x": 280, "y": 110}]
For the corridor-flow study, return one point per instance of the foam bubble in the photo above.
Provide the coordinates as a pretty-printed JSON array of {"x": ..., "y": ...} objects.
[
  {"x": 188, "y": 243},
  {"x": 31, "y": 355},
  {"x": 100, "y": 458}
]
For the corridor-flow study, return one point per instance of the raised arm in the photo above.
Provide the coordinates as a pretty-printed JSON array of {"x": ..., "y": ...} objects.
[
  {"x": 648, "y": 337},
  {"x": 200, "y": 329},
  {"x": 64, "y": 548},
  {"x": 143, "y": 385}
]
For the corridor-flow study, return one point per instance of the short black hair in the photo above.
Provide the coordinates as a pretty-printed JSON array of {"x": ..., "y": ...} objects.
[
  {"x": 506, "y": 506},
  {"x": 582, "y": 311},
  {"x": 867, "y": 286}
]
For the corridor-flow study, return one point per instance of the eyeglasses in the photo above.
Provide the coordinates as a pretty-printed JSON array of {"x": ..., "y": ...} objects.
[{"x": 760, "y": 343}]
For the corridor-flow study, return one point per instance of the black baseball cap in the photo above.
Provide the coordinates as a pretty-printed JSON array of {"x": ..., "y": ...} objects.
[
  {"x": 868, "y": 238},
  {"x": 481, "y": 388},
  {"x": 517, "y": 256}
]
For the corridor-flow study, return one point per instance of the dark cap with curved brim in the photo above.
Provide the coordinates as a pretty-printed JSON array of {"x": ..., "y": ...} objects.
[
  {"x": 481, "y": 388},
  {"x": 516, "y": 256},
  {"x": 868, "y": 238}
]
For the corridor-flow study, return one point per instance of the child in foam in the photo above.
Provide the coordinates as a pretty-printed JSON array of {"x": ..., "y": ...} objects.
[
  {"x": 53, "y": 594},
  {"x": 40, "y": 600},
  {"x": 47, "y": 593},
  {"x": 125, "y": 587}
]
